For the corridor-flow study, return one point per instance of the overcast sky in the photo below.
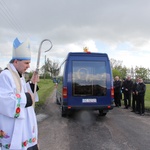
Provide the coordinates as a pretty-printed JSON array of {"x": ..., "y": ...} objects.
[{"x": 120, "y": 28}]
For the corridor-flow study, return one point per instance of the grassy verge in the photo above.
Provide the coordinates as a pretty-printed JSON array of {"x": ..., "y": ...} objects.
[
  {"x": 46, "y": 87},
  {"x": 147, "y": 97}
]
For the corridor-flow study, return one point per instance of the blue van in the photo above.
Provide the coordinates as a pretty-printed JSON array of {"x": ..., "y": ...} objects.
[{"x": 86, "y": 83}]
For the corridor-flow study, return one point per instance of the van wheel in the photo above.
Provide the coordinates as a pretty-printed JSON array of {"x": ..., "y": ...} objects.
[
  {"x": 101, "y": 113},
  {"x": 63, "y": 112}
]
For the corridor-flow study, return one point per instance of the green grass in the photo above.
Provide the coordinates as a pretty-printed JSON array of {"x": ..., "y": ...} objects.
[
  {"x": 147, "y": 97},
  {"x": 46, "y": 86}
]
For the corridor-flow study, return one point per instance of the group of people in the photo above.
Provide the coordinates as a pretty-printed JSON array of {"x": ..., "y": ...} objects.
[
  {"x": 130, "y": 90},
  {"x": 18, "y": 125}
]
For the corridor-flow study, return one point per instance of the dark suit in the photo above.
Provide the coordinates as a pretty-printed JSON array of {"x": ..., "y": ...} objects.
[
  {"x": 127, "y": 92},
  {"x": 117, "y": 92},
  {"x": 134, "y": 97},
  {"x": 141, "y": 88}
]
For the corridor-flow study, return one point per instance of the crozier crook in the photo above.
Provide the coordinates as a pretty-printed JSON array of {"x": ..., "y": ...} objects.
[{"x": 38, "y": 62}]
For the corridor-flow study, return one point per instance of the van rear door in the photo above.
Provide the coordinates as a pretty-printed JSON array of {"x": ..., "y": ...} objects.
[{"x": 90, "y": 82}]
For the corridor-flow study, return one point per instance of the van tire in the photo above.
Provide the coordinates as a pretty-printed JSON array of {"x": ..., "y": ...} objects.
[
  {"x": 104, "y": 114},
  {"x": 63, "y": 112},
  {"x": 101, "y": 113}
]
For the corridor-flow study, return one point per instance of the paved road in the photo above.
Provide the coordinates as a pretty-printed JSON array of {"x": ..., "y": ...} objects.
[{"x": 119, "y": 130}]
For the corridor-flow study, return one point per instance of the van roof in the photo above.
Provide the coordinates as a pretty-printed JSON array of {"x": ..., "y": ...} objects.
[
  {"x": 83, "y": 54},
  {"x": 87, "y": 54}
]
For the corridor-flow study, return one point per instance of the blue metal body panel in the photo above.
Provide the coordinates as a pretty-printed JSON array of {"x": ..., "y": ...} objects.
[{"x": 89, "y": 101}]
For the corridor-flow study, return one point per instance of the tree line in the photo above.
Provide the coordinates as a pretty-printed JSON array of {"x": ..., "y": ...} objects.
[
  {"x": 123, "y": 71},
  {"x": 51, "y": 69}
]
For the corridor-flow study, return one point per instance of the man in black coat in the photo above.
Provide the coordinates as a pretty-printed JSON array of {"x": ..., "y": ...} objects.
[
  {"x": 127, "y": 92},
  {"x": 117, "y": 91},
  {"x": 134, "y": 96},
  {"x": 141, "y": 89}
]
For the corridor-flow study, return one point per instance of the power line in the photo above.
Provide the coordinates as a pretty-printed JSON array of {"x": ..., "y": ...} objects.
[
  {"x": 9, "y": 18},
  {"x": 8, "y": 15}
]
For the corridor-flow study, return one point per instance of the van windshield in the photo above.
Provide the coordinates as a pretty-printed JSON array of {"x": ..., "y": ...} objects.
[{"x": 89, "y": 78}]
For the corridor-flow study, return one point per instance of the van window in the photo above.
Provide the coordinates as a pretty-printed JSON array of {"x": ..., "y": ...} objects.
[{"x": 89, "y": 78}]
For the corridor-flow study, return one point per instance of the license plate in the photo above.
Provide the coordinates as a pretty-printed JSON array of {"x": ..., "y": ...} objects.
[{"x": 89, "y": 100}]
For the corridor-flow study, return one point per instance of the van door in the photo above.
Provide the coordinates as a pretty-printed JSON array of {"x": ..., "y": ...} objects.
[{"x": 89, "y": 83}]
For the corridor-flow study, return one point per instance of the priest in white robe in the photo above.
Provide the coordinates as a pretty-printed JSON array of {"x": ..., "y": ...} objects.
[{"x": 18, "y": 124}]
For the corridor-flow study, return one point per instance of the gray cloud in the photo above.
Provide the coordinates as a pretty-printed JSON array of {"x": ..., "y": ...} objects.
[
  {"x": 74, "y": 21},
  {"x": 70, "y": 20}
]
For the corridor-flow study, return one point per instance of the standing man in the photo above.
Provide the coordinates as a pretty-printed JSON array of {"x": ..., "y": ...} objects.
[
  {"x": 127, "y": 92},
  {"x": 18, "y": 125},
  {"x": 117, "y": 91},
  {"x": 141, "y": 89},
  {"x": 134, "y": 96}
]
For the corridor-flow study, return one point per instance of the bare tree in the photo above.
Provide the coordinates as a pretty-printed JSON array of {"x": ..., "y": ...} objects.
[
  {"x": 50, "y": 68},
  {"x": 115, "y": 64}
]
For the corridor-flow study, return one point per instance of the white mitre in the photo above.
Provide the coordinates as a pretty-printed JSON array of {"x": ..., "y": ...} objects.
[{"x": 21, "y": 51}]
